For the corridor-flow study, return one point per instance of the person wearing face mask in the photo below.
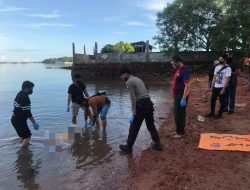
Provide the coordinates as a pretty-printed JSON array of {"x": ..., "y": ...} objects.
[
  {"x": 180, "y": 90},
  {"x": 230, "y": 99},
  {"x": 219, "y": 88},
  {"x": 22, "y": 112},
  {"x": 142, "y": 108}
]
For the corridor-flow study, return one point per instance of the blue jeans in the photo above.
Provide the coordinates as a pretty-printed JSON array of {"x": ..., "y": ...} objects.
[{"x": 104, "y": 111}]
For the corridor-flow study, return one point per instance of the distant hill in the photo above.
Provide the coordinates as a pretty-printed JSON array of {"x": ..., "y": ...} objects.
[{"x": 61, "y": 59}]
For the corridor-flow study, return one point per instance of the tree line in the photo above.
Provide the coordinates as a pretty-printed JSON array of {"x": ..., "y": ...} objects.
[
  {"x": 210, "y": 25},
  {"x": 119, "y": 47}
]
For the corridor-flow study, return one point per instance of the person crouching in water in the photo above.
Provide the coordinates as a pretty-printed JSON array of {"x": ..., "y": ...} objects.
[
  {"x": 22, "y": 112},
  {"x": 99, "y": 106}
]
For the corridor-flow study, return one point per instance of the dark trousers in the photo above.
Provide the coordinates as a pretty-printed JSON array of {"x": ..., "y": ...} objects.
[
  {"x": 230, "y": 99},
  {"x": 222, "y": 99},
  {"x": 144, "y": 110},
  {"x": 180, "y": 117}
]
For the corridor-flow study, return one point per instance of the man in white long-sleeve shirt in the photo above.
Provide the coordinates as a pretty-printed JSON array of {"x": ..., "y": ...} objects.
[{"x": 142, "y": 108}]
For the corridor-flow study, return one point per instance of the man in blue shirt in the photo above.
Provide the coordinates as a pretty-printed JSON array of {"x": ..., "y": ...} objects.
[{"x": 180, "y": 89}]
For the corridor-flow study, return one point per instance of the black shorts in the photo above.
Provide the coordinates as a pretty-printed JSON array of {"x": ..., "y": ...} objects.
[{"x": 21, "y": 127}]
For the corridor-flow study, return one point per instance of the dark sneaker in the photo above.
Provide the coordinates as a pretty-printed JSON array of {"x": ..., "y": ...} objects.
[
  {"x": 209, "y": 115},
  {"x": 125, "y": 148},
  {"x": 157, "y": 146},
  {"x": 230, "y": 112},
  {"x": 218, "y": 116},
  {"x": 225, "y": 110}
]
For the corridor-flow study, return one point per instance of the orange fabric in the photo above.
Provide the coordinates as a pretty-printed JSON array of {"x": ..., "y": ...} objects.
[
  {"x": 96, "y": 102},
  {"x": 231, "y": 142}
]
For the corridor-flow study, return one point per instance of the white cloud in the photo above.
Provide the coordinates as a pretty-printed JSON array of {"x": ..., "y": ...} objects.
[
  {"x": 12, "y": 9},
  {"x": 45, "y": 25},
  {"x": 135, "y": 23},
  {"x": 151, "y": 17},
  {"x": 153, "y": 5},
  {"x": 120, "y": 33},
  {"x": 2, "y": 58},
  {"x": 21, "y": 50},
  {"x": 111, "y": 19},
  {"x": 52, "y": 15},
  {"x": 3, "y": 38}
]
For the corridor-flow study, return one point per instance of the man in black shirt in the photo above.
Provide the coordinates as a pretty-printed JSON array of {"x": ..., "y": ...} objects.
[
  {"x": 230, "y": 99},
  {"x": 211, "y": 73},
  {"x": 22, "y": 112},
  {"x": 75, "y": 91}
]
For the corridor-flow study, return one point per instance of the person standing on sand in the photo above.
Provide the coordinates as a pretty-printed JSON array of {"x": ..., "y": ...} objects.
[
  {"x": 246, "y": 68},
  {"x": 142, "y": 108},
  {"x": 21, "y": 112},
  {"x": 222, "y": 74},
  {"x": 230, "y": 99},
  {"x": 211, "y": 73},
  {"x": 180, "y": 90}
]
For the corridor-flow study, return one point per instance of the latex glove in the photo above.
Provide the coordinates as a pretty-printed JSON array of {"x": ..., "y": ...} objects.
[
  {"x": 91, "y": 123},
  {"x": 68, "y": 108},
  {"x": 131, "y": 119},
  {"x": 35, "y": 126},
  {"x": 183, "y": 102}
]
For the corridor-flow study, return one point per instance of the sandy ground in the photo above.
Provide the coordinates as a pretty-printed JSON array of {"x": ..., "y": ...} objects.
[{"x": 182, "y": 165}]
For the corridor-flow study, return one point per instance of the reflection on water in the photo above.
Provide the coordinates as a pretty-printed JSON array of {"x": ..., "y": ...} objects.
[
  {"x": 91, "y": 160},
  {"x": 91, "y": 147},
  {"x": 27, "y": 169}
]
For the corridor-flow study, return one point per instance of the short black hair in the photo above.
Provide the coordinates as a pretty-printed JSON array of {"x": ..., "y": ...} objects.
[
  {"x": 124, "y": 69},
  {"x": 27, "y": 85},
  {"x": 176, "y": 58},
  {"x": 77, "y": 76},
  {"x": 224, "y": 56}
]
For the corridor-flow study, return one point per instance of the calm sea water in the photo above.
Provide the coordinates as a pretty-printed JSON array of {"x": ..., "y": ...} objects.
[{"x": 91, "y": 159}]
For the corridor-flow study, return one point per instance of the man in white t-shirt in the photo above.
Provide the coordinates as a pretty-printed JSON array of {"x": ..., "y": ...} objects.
[{"x": 219, "y": 88}]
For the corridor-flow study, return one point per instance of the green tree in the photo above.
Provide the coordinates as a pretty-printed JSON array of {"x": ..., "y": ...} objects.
[
  {"x": 108, "y": 49},
  {"x": 235, "y": 30},
  {"x": 124, "y": 47},
  {"x": 188, "y": 25},
  {"x": 204, "y": 25}
]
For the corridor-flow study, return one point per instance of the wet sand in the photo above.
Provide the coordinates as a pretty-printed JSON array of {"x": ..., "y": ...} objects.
[{"x": 182, "y": 165}]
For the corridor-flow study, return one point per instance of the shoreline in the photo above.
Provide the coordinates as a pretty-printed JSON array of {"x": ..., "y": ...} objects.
[{"x": 182, "y": 165}]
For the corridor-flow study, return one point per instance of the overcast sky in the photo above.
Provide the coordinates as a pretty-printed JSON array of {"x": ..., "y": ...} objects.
[{"x": 33, "y": 30}]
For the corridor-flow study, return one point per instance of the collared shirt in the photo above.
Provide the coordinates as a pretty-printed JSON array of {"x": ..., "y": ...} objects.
[
  {"x": 137, "y": 91},
  {"x": 181, "y": 77}
]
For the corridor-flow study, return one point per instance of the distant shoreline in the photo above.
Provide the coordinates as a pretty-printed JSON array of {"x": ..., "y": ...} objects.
[{"x": 20, "y": 62}]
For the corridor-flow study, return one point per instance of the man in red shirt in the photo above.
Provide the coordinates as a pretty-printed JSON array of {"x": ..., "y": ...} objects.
[{"x": 180, "y": 88}]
